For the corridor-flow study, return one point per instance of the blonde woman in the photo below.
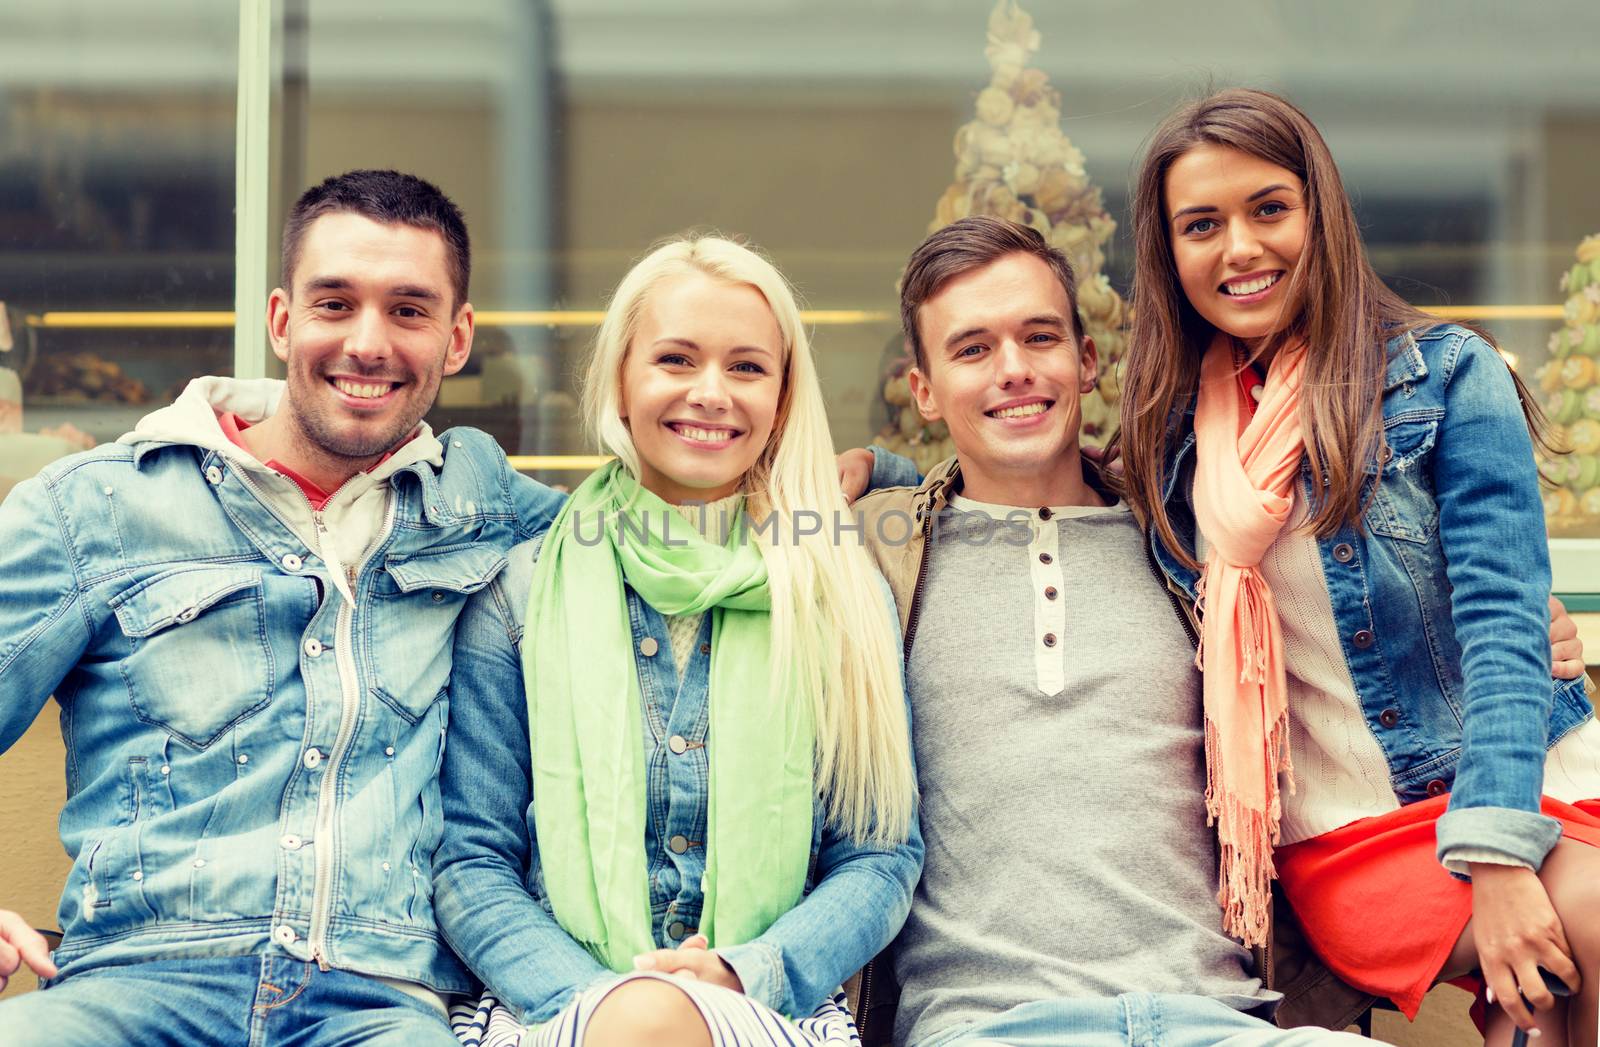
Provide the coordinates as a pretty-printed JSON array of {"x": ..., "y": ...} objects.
[{"x": 716, "y": 824}]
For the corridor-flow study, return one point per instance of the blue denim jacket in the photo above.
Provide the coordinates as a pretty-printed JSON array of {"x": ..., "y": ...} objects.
[
  {"x": 488, "y": 892},
  {"x": 1440, "y": 597},
  {"x": 251, "y": 764}
]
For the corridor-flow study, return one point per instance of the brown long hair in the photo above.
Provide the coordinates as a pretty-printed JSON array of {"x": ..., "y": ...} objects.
[{"x": 1345, "y": 312}]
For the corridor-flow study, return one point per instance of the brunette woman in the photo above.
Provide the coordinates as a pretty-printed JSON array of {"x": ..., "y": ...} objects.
[{"x": 1346, "y": 489}]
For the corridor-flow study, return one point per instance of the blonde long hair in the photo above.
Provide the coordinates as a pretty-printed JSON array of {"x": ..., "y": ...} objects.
[{"x": 831, "y": 632}]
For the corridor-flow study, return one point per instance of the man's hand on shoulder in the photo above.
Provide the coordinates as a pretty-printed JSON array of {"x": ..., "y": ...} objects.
[{"x": 21, "y": 944}]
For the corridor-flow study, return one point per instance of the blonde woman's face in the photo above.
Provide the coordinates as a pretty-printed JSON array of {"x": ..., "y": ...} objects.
[
  {"x": 700, "y": 386},
  {"x": 1238, "y": 228}
]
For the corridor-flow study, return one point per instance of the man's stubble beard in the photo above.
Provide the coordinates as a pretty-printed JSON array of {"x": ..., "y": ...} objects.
[{"x": 311, "y": 423}]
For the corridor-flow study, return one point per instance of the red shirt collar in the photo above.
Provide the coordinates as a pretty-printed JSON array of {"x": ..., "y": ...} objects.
[{"x": 233, "y": 428}]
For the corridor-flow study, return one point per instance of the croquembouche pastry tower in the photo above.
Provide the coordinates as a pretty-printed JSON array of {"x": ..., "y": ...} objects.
[
  {"x": 1013, "y": 161},
  {"x": 1570, "y": 382}
]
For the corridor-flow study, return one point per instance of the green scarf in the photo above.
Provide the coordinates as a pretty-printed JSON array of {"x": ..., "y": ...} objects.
[{"x": 585, "y": 723}]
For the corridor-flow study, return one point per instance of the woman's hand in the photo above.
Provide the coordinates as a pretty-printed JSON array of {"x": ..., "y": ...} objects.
[
  {"x": 1566, "y": 649},
  {"x": 855, "y": 472},
  {"x": 1516, "y": 932},
  {"x": 691, "y": 958}
]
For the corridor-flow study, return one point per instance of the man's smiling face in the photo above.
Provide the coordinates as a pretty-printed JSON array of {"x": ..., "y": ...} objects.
[
  {"x": 1004, "y": 371},
  {"x": 368, "y": 333}
]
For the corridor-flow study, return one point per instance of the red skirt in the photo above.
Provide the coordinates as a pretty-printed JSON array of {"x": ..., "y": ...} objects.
[{"x": 1377, "y": 906}]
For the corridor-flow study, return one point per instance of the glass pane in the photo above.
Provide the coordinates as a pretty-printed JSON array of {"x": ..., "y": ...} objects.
[
  {"x": 116, "y": 216},
  {"x": 576, "y": 132}
]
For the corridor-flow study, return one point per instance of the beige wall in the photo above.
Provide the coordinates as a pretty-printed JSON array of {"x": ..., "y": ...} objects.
[{"x": 32, "y": 864}]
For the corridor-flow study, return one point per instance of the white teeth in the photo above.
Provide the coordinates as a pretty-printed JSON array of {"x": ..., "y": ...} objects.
[
  {"x": 1022, "y": 411},
  {"x": 1252, "y": 286},
  {"x": 360, "y": 390},
  {"x": 707, "y": 436}
]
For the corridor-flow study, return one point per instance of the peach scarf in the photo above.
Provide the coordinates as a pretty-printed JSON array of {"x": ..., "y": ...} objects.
[{"x": 1245, "y": 469}]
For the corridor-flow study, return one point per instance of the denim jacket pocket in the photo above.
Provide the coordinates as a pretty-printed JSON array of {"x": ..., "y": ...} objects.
[
  {"x": 1403, "y": 504},
  {"x": 418, "y": 599},
  {"x": 199, "y": 659}
]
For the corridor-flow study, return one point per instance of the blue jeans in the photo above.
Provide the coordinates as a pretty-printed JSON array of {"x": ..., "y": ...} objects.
[
  {"x": 259, "y": 1001},
  {"x": 1133, "y": 1020}
]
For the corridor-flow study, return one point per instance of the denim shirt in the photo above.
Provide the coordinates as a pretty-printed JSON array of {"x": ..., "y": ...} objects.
[
  {"x": 1440, "y": 596},
  {"x": 251, "y": 760},
  {"x": 488, "y": 890}
]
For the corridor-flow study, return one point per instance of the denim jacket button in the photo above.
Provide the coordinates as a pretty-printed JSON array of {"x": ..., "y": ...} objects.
[
  {"x": 1343, "y": 552},
  {"x": 290, "y": 842},
  {"x": 313, "y": 647},
  {"x": 291, "y": 562},
  {"x": 677, "y": 744},
  {"x": 1437, "y": 787},
  {"x": 648, "y": 647},
  {"x": 1389, "y": 717},
  {"x": 678, "y": 844},
  {"x": 313, "y": 759},
  {"x": 283, "y": 934},
  {"x": 675, "y": 930},
  {"x": 1363, "y": 638},
  {"x": 213, "y": 476}
]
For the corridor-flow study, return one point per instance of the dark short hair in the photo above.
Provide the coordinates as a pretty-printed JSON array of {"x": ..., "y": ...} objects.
[
  {"x": 387, "y": 197},
  {"x": 966, "y": 245}
]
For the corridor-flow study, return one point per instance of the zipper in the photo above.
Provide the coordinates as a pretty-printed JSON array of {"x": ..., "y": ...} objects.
[
  {"x": 863, "y": 1004},
  {"x": 922, "y": 575},
  {"x": 350, "y": 707},
  {"x": 1184, "y": 619}
]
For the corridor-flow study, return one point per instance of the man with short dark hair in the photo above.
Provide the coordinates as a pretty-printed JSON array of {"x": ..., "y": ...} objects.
[
  {"x": 245, "y": 608},
  {"x": 1069, "y": 890}
]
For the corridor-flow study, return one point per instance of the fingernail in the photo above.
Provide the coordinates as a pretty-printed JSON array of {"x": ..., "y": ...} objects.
[
  {"x": 643, "y": 963},
  {"x": 1534, "y": 1034}
]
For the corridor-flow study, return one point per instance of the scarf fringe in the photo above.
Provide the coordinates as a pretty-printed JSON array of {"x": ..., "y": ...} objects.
[{"x": 1247, "y": 836}]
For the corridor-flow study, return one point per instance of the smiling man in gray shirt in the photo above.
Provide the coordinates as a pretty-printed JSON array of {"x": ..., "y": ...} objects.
[{"x": 1069, "y": 889}]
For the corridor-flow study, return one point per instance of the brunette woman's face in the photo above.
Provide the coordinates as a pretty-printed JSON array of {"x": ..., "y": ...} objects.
[
  {"x": 1238, "y": 229},
  {"x": 700, "y": 386}
]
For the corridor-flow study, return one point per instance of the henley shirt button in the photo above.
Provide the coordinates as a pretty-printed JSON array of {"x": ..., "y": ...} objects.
[
  {"x": 1363, "y": 638},
  {"x": 1049, "y": 639},
  {"x": 283, "y": 934},
  {"x": 1437, "y": 787},
  {"x": 313, "y": 759},
  {"x": 648, "y": 647},
  {"x": 1049, "y": 592},
  {"x": 290, "y": 842},
  {"x": 1389, "y": 717},
  {"x": 290, "y": 562},
  {"x": 1045, "y": 513},
  {"x": 678, "y": 844},
  {"x": 1343, "y": 552},
  {"x": 213, "y": 476},
  {"x": 675, "y": 930},
  {"x": 1045, "y": 558},
  {"x": 677, "y": 744}
]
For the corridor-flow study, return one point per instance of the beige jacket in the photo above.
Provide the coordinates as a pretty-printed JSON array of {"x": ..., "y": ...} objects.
[{"x": 1313, "y": 995}]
